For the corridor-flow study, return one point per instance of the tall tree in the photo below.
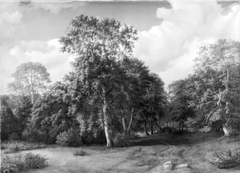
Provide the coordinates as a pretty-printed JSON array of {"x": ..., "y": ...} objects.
[
  {"x": 22, "y": 110},
  {"x": 30, "y": 79},
  {"x": 9, "y": 122},
  {"x": 218, "y": 67},
  {"x": 180, "y": 98},
  {"x": 100, "y": 46}
]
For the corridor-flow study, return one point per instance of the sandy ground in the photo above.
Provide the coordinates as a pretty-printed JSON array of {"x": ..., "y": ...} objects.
[{"x": 147, "y": 155}]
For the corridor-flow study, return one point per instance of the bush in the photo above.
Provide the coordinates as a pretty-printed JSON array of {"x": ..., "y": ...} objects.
[
  {"x": 205, "y": 129},
  {"x": 121, "y": 140},
  {"x": 69, "y": 138},
  {"x": 226, "y": 159},
  {"x": 19, "y": 162},
  {"x": 9, "y": 168},
  {"x": 34, "y": 135},
  {"x": 35, "y": 161},
  {"x": 14, "y": 137},
  {"x": 79, "y": 153},
  {"x": 94, "y": 138}
]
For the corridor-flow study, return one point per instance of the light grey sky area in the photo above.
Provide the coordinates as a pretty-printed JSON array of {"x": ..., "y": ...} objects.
[{"x": 169, "y": 32}]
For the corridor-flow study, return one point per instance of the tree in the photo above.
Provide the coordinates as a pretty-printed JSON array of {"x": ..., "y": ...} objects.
[
  {"x": 100, "y": 46},
  {"x": 151, "y": 105},
  {"x": 22, "y": 111},
  {"x": 30, "y": 79},
  {"x": 51, "y": 113},
  {"x": 9, "y": 122},
  {"x": 219, "y": 74},
  {"x": 180, "y": 98},
  {"x": 138, "y": 81}
]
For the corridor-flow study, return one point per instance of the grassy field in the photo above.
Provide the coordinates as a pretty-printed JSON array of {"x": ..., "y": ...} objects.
[{"x": 147, "y": 154}]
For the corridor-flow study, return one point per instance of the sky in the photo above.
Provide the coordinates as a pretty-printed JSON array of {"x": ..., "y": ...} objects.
[{"x": 170, "y": 33}]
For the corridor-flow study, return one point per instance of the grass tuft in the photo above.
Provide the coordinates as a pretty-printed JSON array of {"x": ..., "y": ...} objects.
[
  {"x": 80, "y": 153},
  {"x": 19, "y": 162},
  {"x": 226, "y": 159}
]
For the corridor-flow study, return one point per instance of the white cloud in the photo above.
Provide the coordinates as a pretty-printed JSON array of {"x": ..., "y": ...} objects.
[
  {"x": 8, "y": 22},
  {"x": 169, "y": 48},
  {"x": 56, "y": 8},
  {"x": 11, "y": 18}
]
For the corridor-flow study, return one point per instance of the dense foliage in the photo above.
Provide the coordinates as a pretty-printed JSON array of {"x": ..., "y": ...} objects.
[{"x": 109, "y": 93}]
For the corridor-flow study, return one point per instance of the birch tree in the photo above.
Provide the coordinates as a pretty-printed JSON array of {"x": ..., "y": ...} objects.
[{"x": 99, "y": 47}]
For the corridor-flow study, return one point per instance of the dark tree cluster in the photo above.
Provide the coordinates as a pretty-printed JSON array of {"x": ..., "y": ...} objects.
[{"x": 108, "y": 92}]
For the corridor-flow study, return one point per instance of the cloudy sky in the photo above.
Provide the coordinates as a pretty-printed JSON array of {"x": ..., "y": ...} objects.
[{"x": 170, "y": 32}]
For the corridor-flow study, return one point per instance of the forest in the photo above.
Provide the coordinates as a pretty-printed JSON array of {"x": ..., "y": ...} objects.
[{"x": 110, "y": 96}]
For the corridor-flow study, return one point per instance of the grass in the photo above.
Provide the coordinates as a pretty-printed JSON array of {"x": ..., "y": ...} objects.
[
  {"x": 16, "y": 146},
  {"x": 144, "y": 155},
  {"x": 21, "y": 162}
]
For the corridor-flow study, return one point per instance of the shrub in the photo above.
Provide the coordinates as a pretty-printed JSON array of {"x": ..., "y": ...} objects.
[
  {"x": 9, "y": 168},
  {"x": 121, "y": 140},
  {"x": 226, "y": 159},
  {"x": 14, "y": 137},
  {"x": 94, "y": 138},
  {"x": 19, "y": 162},
  {"x": 69, "y": 138},
  {"x": 34, "y": 161},
  {"x": 34, "y": 135},
  {"x": 14, "y": 163},
  {"x": 79, "y": 153},
  {"x": 205, "y": 129}
]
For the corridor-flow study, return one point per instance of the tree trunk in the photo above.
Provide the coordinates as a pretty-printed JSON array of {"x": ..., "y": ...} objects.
[
  {"x": 126, "y": 130},
  {"x": 124, "y": 126},
  {"x": 151, "y": 126},
  {"x": 106, "y": 120},
  {"x": 130, "y": 123},
  {"x": 32, "y": 97},
  {"x": 226, "y": 130},
  {"x": 145, "y": 126},
  {"x": 226, "y": 127}
]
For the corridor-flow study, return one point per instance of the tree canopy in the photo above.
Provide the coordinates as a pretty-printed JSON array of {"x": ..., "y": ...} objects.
[{"x": 30, "y": 79}]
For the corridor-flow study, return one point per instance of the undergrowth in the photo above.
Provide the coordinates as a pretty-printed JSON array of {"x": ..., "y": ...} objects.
[
  {"x": 15, "y": 146},
  {"x": 226, "y": 159},
  {"x": 21, "y": 162}
]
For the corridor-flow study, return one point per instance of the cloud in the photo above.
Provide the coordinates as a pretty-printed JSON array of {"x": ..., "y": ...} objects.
[
  {"x": 168, "y": 48},
  {"x": 47, "y": 53},
  {"x": 8, "y": 22},
  {"x": 56, "y": 8},
  {"x": 11, "y": 18}
]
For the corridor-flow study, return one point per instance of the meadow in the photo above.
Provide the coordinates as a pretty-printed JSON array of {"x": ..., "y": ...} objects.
[{"x": 146, "y": 154}]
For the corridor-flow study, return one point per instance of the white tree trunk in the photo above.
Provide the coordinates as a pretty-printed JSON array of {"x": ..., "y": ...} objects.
[
  {"x": 227, "y": 131},
  {"x": 106, "y": 120}
]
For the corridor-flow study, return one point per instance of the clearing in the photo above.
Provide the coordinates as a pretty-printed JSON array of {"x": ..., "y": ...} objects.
[{"x": 147, "y": 155}]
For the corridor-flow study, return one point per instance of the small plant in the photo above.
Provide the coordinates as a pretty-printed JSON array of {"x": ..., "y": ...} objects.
[
  {"x": 121, "y": 140},
  {"x": 226, "y": 159},
  {"x": 14, "y": 137},
  {"x": 9, "y": 168},
  {"x": 19, "y": 162},
  {"x": 80, "y": 153},
  {"x": 34, "y": 161}
]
